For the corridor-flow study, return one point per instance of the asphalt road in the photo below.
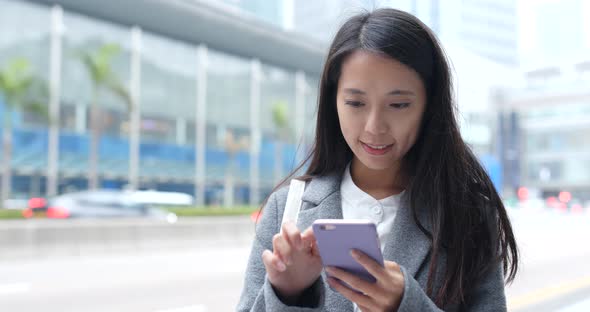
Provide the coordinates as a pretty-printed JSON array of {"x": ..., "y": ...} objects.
[{"x": 555, "y": 275}]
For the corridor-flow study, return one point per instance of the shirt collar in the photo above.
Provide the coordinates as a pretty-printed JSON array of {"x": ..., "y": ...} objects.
[
  {"x": 352, "y": 193},
  {"x": 357, "y": 197}
]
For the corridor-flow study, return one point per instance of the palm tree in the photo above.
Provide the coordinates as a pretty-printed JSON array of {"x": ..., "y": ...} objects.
[
  {"x": 232, "y": 147},
  {"x": 281, "y": 122},
  {"x": 23, "y": 91},
  {"x": 98, "y": 64}
]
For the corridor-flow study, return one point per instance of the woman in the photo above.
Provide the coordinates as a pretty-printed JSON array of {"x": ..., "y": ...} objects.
[{"x": 387, "y": 148}]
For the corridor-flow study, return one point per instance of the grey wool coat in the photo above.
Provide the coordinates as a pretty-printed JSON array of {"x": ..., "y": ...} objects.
[{"x": 406, "y": 245}]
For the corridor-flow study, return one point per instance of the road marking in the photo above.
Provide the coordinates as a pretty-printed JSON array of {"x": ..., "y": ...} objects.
[
  {"x": 582, "y": 306},
  {"x": 193, "y": 308},
  {"x": 14, "y": 288},
  {"x": 547, "y": 293}
]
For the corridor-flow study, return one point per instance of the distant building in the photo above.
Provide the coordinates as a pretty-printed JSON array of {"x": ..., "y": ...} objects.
[
  {"x": 552, "y": 126},
  {"x": 199, "y": 71},
  {"x": 487, "y": 28}
]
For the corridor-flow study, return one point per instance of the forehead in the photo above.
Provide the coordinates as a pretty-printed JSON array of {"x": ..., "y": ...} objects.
[{"x": 364, "y": 68}]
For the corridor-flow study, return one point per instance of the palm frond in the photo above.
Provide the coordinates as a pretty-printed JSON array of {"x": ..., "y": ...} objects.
[
  {"x": 36, "y": 99},
  {"x": 99, "y": 64},
  {"x": 108, "y": 51},
  {"x": 90, "y": 64},
  {"x": 103, "y": 59},
  {"x": 15, "y": 75},
  {"x": 22, "y": 89},
  {"x": 279, "y": 114},
  {"x": 119, "y": 90},
  {"x": 18, "y": 66}
]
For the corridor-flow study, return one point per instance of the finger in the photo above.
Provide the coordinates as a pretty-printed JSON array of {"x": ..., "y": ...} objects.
[
  {"x": 272, "y": 262},
  {"x": 282, "y": 248},
  {"x": 395, "y": 272},
  {"x": 372, "y": 266},
  {"x": 352, "y": 280},
  {"x": 292, "y": 235},
  {"x": 309, "y": 242},
  {"x": 307, "y": 235},
  {"x": 315, "y": 249},
  {"x": 358, "y": 298},
  {"x": 392, "y": 266}
]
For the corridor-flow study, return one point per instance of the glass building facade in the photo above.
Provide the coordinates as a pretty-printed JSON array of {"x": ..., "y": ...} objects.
[
  {"x": 553, "y": 115},
  {"x": 204, "y": 116}
]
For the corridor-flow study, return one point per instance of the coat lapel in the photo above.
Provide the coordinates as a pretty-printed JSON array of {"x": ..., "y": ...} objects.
[
  {"x": 407, "y": 245},
  {"x": 321, "y": 200}
]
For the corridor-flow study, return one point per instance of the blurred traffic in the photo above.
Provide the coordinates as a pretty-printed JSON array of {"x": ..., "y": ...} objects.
[{"x": 101, "y": 204}]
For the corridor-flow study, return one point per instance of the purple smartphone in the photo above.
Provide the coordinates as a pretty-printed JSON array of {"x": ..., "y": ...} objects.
[{"x": 336, "y": 237}]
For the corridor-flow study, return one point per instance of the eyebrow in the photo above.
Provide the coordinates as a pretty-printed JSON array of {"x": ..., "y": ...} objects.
[{"x": 394, "y": 92}]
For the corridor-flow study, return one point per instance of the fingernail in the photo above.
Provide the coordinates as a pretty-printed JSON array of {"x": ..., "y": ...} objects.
[
  {"x": 355, "y": 254},
  {"x": 329, "y": 270}
]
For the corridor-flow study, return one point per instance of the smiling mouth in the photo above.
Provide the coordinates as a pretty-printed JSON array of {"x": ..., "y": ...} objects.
[
  {"x": 376, "y": 149},
  {"x": 378, "y": 146}
]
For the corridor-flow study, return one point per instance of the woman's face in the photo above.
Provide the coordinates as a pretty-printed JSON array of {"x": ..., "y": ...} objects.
[{"x": 380, "y": 105}]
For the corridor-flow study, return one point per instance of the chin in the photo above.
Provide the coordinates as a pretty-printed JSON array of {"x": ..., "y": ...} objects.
[{"x": 374, "y": 164}]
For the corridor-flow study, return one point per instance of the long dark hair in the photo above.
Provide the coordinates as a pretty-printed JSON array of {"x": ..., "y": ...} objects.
[{"x": 468, "y": 219}]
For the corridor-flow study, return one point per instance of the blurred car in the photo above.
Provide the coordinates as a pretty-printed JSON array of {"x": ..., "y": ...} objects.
[
  {"x": 94, "y": 204},
  {"x": 159, "y": 198}
]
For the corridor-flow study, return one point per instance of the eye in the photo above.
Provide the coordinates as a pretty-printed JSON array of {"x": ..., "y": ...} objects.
[
  {"x": 399, "y": 105},
  {"x": 354, "y": 103}
]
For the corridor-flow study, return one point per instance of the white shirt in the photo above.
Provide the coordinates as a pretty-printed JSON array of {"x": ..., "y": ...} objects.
[{"x": 356, "y": 204}]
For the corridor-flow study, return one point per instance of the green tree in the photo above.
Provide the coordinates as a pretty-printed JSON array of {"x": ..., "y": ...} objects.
[
  {"x": 22, "y": 91},
  {"x": 280, "y": 120},
  {"x": 232, "y": 147},
  {"x": 98, "y": 64}
]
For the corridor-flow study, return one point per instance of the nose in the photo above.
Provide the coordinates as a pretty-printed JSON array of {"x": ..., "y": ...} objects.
[{"x": 377, "y": 123}]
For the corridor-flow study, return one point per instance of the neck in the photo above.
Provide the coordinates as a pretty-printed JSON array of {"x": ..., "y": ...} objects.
[{"x": 377, "y": 183}]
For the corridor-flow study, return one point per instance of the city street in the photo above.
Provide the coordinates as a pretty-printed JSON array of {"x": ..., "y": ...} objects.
[
  {"x": 555, "y": 271},
  {"x": 555, "y": 275},
  {"x": 137, "y": 139},
  {"x": 203, "y": 280}
]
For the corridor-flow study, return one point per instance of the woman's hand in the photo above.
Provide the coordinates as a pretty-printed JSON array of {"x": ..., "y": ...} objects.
[
  {"x": 383, "y": 295},
  {"x": 294, "y": 264}
]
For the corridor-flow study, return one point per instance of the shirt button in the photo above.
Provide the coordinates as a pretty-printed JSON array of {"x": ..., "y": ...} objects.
[
  {"x": 377, "y": 214},
  {"x": 377, "y": 210}
]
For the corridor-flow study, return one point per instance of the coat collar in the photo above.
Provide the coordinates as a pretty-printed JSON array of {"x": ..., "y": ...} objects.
[
  {"x": 406, "y": 244},
  {"x": 321, "y": 187}
]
